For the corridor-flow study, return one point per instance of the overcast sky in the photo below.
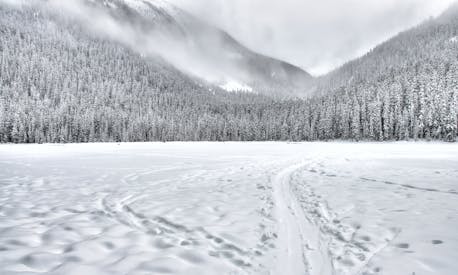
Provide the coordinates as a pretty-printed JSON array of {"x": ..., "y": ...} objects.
[{"x": 317, "y": 35}]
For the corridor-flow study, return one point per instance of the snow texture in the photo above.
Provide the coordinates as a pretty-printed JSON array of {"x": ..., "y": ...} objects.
[
  {"x": 234, "y": 86},
  {"x": 142, "y": 5},
  {"x": 229, "y": 208}
]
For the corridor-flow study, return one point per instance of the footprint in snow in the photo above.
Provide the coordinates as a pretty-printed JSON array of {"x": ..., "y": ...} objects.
[{"x": 403, "y": 245}]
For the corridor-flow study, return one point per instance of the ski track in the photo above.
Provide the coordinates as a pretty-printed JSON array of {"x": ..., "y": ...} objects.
[
  {"x": 291, "y": 258},
  {"x": 261, "y": 208},
  {"x": 300, "y": 250}
]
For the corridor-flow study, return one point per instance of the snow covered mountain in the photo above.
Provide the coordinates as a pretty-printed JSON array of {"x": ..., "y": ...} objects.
[
  {"x": 133, "y": 71},
  {"x": 407, "y": 87},
  {"x": 420, "y": 51},
  {"x": 205, "y": 51}
]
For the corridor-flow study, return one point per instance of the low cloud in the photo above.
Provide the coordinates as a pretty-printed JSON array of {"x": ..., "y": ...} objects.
[
  {"x": 13, "y": 3},
  {"x": 316, "y": 35},
  {"x": 146, "y": 41}
]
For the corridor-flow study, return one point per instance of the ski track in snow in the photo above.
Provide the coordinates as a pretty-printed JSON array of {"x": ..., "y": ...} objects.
[
  {"x": 229, "y": 208},
  {"x": 291, "y": 255},
  {"x": 300, "y": 250}
]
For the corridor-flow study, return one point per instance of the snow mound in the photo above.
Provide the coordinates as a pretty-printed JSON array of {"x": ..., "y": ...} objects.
[{"x": 234, "y": 86}]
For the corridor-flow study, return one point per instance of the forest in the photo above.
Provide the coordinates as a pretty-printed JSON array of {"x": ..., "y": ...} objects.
[{"x": 60, "y": 84}]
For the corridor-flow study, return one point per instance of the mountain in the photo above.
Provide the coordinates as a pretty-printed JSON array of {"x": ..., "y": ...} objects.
[
  {"x": 415, "y": 48},
  {"x": 204, "y": 51},
  {"x": 407, "y": 87},
  {"x": 61, "y": 81},
  {"x": 107, "y": 71}
]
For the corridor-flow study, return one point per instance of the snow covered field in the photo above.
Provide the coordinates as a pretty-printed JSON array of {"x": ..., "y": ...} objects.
[{"x": 229, "y": 208}]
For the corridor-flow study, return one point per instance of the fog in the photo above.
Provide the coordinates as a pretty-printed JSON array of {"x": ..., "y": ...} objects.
[
  {"x": 176, "y": 49},
  {"x": 14, "y": 3},
  {"x": 316, "y": 35},
  {"x": 147, "y": 41}
]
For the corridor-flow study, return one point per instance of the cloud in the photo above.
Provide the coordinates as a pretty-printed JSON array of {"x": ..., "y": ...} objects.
[
  {"x": 13, "y": 3},
  {"x": 316, "y": 35},
  {"x": 146, "y": 41}
]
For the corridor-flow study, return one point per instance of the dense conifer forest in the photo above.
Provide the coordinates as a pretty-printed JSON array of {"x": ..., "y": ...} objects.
[{"x": 61, "y": 84}]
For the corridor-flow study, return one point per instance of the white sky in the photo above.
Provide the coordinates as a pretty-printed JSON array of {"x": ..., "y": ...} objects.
[{"x": 317, "y": 35}]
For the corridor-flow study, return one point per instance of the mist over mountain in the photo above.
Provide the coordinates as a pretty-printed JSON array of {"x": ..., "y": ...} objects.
[
  {"x": 318, "y": 36},
  {"x": 132, "y": 70},
  {"x": 157, "y": 29},
  {"x": 413, "y": 49},
  {"x": 409, "y": 84}
]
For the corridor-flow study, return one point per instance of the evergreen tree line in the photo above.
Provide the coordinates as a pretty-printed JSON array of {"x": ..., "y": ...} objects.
[{"x": 60, "y": 84}]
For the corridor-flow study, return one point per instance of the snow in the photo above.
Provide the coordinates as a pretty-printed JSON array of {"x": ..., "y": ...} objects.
[
  {"x": 229, "y": 208},
  {"x": 141, "y": 6},
  {"x": 234, "y": 86},
  {"x": 454, "y": 39},
  {"x": 138, "y": 5},
  {"x": 163, "y": 4},
  {"x": 289, "y": 226}
]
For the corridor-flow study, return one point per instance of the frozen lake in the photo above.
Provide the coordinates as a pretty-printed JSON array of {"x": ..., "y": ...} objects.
[{"x": 229, "y": 208}]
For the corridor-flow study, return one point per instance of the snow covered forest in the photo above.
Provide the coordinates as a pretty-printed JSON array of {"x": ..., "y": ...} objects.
[
  {"x": 116, "y": 80},
  {"x": 59, "y": 83}
]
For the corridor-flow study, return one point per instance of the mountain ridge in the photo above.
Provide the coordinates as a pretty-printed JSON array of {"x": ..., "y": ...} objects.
[
  {"x": 348, "y": 72},
  {"x": 235, "y": 62}
]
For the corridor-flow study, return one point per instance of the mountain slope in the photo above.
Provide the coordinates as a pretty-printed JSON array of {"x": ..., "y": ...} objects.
[
  {"x": 61, "y": 83},
  {"x": 414, "y": 48},
  {"x": 204, "y": 51},
  {"x": 405, "y": 88}
]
